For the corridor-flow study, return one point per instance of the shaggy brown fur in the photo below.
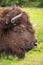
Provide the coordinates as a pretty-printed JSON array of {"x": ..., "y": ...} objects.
[{"x": 16, "y": 38}]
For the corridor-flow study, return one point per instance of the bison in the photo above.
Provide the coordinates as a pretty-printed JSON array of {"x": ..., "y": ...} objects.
[{"x": 17, "y": 35}]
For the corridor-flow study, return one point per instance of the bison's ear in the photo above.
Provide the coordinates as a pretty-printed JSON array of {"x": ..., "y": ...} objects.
[{"x": 15, "y": 18}]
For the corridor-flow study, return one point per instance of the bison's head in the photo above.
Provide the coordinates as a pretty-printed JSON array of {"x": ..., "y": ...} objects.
[
  {"x": 19, "y": 21},
  {"x": 26, "y": 37}
]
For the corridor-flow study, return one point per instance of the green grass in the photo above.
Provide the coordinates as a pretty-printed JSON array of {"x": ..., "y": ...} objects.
[{"x": 35, "y": 56}]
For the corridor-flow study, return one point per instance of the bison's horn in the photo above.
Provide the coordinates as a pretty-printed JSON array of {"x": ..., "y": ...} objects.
[{"x": 15, "y": 18}]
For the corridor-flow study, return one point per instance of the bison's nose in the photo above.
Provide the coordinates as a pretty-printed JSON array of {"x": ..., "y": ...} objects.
[{"x": 35, "y": 43}]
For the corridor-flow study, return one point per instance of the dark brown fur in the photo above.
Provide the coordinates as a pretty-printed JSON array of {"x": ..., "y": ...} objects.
[{"x": 16, "y": 38}]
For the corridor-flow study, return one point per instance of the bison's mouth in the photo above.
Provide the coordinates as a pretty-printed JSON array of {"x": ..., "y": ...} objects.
[{"x": 32, "y": 45}]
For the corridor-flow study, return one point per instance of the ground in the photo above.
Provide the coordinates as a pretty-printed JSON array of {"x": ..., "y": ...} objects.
[{"x": 35, "y": 56}]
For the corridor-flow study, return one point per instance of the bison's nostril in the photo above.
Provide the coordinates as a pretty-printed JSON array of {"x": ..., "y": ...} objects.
[{"x": 35, "y": 44}]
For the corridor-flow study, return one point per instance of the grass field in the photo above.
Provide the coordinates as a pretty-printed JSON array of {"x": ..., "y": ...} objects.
[{"x": 35, "y": 56}]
